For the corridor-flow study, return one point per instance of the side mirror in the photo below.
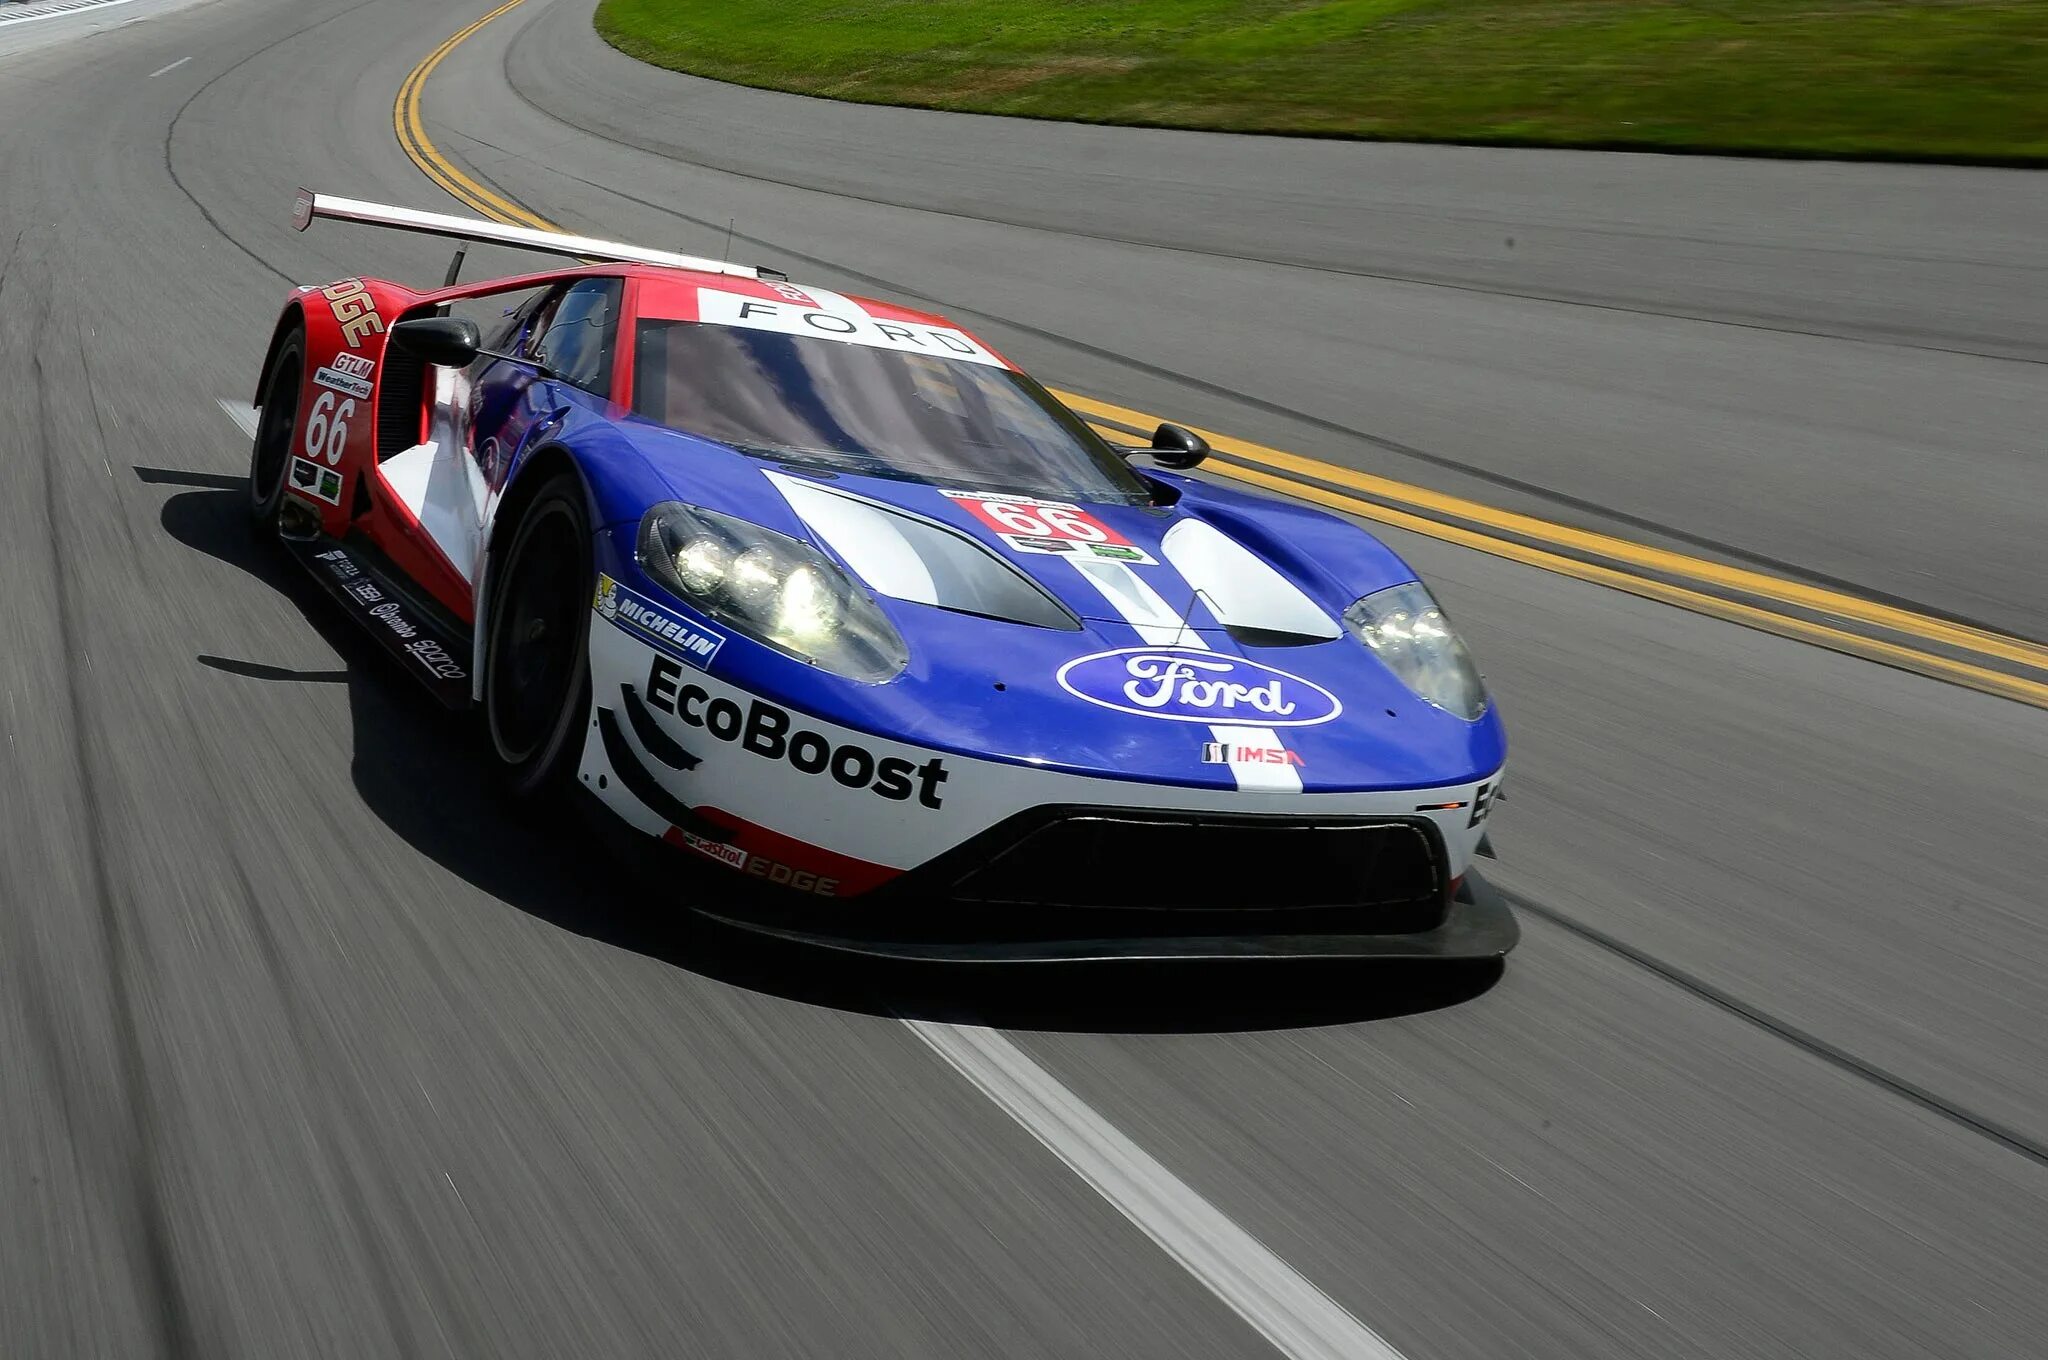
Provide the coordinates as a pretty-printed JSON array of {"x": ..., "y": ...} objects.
[
  {"x": 446, "y": 341},
  {"x": 1175, "y": 447}
]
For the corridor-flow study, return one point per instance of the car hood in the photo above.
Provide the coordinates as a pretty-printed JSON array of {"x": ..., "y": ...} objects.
[{"x": 1120, "y": 640}]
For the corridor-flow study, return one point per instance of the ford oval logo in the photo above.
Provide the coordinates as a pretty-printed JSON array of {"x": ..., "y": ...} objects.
[{"x": 1182, "y": 684}]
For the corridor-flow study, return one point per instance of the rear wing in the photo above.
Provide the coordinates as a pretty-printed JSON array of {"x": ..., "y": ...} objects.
[{"x": 309, "y": 205}]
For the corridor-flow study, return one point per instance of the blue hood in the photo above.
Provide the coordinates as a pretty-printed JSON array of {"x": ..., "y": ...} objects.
[{"x": 1218, "y": 609}]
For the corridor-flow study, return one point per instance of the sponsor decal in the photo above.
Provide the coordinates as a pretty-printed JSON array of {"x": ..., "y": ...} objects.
[
  {"x": 758, "y": 865},
  {"x": 354, "y": 365},
  {"x": 367, "y": 593},
  {"x": 392, "y": 615},
  {"x": 1030, "y": 525},
  {"x": 435, "y": 658},
  {"x": 1188, "y": 685},
  {"x": 803, "y": 880},
  {"x": 628, "y": 609},
  {"x": 343, "y": 382},
  {"x": 718, "y": 308},
  {"x": 338, "y": 564},
  {"x": 354, "y": 310},
  {"x": 730, "y": 855},
  {"x": 311, "y": 479},
  {"x": 1237, "y": 753},
  {"x": 791, "y": 292},
  {"x": 770, "y": 732}
]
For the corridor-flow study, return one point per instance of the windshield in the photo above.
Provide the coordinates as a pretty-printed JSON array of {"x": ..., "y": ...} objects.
[{"x": 872, "y": 411}]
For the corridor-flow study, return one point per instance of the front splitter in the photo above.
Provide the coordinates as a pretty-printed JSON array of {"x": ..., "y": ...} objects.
[{"x": 1478, "y": 926}]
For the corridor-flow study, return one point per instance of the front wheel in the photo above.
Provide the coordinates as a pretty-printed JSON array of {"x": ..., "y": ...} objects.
[
  {"x": 271, "y": 451},
  {"x": 537, "y": 658}
]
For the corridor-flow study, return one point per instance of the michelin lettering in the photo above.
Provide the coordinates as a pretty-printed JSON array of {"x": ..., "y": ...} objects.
[{"x": 634, "y": 613}]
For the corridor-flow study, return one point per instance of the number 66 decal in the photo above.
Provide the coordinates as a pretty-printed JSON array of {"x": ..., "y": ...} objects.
[
  {"x": 327, "y": 428},
  {"x": 1030, "y": 525}
]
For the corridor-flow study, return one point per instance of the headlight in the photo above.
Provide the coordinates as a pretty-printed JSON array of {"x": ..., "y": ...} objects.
[
  {"x": 1406, "y": 628},
  {"x": 771, "y": 587}
]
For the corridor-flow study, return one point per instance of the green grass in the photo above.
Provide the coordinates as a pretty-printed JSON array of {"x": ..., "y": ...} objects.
[{"x": 1936, "y": 79}]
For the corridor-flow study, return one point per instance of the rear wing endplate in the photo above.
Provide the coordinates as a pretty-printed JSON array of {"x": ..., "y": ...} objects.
[{"x": 309, "y": 205}]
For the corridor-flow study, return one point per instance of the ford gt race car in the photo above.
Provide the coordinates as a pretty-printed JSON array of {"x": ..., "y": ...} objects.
[{"x": 828, "y": 593}]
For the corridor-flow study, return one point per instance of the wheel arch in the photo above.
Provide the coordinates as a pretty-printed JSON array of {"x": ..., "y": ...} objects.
[{"x": 292, "y": 317}]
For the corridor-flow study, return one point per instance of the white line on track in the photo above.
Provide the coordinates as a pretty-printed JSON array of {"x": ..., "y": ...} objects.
[
  {"x": 243, "y": 416},
  {"x": 163, "y": 70},
  {"x": 60, "y": 11},
  {"x": 1300, "y": 1320}
]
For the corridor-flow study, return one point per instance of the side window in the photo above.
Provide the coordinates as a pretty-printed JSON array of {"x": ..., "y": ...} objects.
[
  {"x": 579, "y": 333},
  {"x": 505, "y": 320},
  {"x": 510, "y": 329}
]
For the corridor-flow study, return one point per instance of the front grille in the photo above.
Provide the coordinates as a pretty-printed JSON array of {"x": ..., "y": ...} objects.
[{"x": 1212, "y": 874}]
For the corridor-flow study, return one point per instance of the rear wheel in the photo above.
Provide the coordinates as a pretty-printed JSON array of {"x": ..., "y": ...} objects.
[
  {"x": 536, "y": 659},
  {"x": 271, "y": 453}
]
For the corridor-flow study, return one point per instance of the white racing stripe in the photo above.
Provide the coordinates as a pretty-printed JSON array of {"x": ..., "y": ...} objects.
[
  {"x": 1161, "y": 625},
  {"x": 1158, "y": 622},
  {"x": 1300, "y": 1320},
  {"x": 243, "y": 416}
]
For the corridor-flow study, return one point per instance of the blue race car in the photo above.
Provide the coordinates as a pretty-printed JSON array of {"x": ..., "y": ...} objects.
[{"x": 827, "y": 592}]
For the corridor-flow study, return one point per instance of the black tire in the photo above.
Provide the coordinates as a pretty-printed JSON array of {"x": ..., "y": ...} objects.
[
  {"x": 270, "y": 453},
  {"x": 537, "y": 650}
]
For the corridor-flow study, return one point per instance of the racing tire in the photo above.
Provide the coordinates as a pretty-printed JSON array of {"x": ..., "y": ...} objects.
[
  {"x": 537, "y": 648},
  {"x": 270, "y": 452}
]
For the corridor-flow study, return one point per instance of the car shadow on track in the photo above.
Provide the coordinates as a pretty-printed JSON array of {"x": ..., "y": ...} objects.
[{"x": 428, "y": 777}]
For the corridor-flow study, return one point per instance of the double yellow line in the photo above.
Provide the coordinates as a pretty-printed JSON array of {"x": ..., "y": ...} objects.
[{"x": 1832, "y": 619}]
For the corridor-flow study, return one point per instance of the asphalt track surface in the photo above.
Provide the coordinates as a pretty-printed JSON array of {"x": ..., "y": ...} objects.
[{"x": 311, "y": 1045}]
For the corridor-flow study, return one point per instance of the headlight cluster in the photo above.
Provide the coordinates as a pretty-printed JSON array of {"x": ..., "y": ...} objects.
[
  {"x": 1405, "y": 628},
  {"x": 771, "y": 587}
]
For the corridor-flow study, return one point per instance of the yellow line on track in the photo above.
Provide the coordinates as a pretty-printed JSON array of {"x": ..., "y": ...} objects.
[
  {"x": 1281, "y": 471},
  {"x": 1776, "y": 588}
]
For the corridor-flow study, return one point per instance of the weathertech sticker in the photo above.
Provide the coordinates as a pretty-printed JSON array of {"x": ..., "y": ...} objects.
[
  {"x": 1029, "y": 525},
  {"x": 343, "y": 377},
  {"x": 320, "y": 483}
]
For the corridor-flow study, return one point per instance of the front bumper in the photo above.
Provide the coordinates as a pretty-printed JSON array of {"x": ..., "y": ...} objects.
[
  {"x": 876, "y": 823},
  {"x": 1477, "y": 926}
]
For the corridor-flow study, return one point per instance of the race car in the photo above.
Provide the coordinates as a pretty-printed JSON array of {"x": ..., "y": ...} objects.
[{"x": 826, "y": 592}]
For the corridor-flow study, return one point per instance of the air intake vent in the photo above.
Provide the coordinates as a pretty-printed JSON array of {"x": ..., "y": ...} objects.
[{"x": 399, "y": 402}]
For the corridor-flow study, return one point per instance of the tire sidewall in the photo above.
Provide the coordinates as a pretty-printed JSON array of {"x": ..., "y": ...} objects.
[
  {"x": 551, "y": 762},
  {"x": 264, "y": 503}
]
